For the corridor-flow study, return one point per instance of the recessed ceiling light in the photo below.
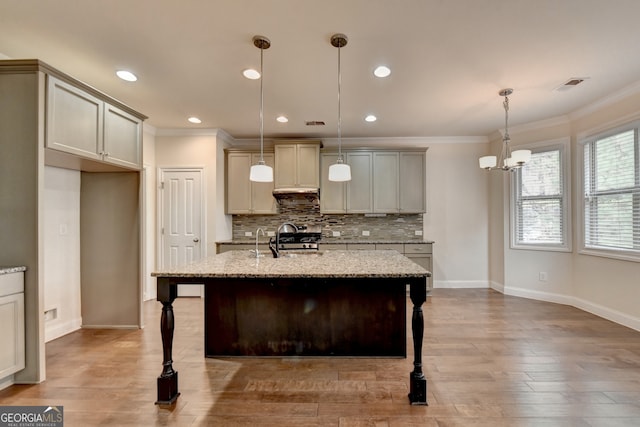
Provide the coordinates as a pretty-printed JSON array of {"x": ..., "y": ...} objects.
[
  {"x": 126, "y": 75},
  {"x": 282, "y": 119},
  {"x": 252, "y": 74},
  {"x": 194, "y": 120},
  {"x": 370, "y": 118},
  {"x": 382, "y": 71}
]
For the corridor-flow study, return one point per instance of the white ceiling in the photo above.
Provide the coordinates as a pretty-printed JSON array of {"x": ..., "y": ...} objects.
[{"x": 449, "y": 59}]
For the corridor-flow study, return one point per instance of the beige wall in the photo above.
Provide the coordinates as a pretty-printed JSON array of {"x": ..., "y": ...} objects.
[{"x": 457, "y": 214}]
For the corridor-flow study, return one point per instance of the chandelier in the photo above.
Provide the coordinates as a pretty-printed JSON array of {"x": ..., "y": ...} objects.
[{"x": 507, "y": 160}]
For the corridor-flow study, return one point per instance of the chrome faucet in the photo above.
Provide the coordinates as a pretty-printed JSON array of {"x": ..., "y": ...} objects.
[{"x": 258, "y": 231}]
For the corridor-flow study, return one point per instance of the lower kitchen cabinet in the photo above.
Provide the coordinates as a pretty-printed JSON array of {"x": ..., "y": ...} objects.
[{"x": 12, "y": 347}]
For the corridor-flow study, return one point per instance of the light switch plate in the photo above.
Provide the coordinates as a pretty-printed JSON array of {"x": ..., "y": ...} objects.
[
  {"x": 271, "y": 233},
  {"x": 365, "y": 232},
  {"x": 248, "y": 233},
  {"x": 418, "y": 232},
  {"x": 336, "y": 234}
]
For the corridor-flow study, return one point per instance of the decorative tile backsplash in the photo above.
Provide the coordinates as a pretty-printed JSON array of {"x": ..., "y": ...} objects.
[{"x": 393, "y": 227}]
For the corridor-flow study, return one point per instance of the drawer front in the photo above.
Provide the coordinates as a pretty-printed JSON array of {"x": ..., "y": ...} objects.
[
  {"x": 394, "y": 246},
  {"x": 417, "y": 248},
  {"x": 361, "y": 246},
  {"x": 332, "y": 246},
  {"x": 11, "y": 283}
]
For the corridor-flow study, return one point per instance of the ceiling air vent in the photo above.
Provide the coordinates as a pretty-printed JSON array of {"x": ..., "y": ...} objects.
[
  {"x": 571, "y": 83},
  {"x": 315, "y": 123}
]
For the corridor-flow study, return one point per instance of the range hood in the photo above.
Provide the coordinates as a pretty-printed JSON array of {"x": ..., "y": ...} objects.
[{"x": 297, "y": 194}]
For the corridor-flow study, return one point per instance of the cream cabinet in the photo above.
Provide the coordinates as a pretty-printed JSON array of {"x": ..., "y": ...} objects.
[
  {"x": 382, "y": 181},
  {"x": 412, "y": 182},
  {"x": 355, "y": 196},
  {"x": 82, "y": 124},
  {"x": 386, "y": 198},
  {"x": 12, "y": 348},
  {"x": 360, "y": 188},
  {"x": 242, "y": 195},
  {"x": 297, "y": 164},
  {"x": 399, "y": 182},
  {"x": 333, "y": 195}
]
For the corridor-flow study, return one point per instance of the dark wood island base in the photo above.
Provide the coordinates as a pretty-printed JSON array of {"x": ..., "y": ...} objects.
[{"x": 347, "y": 289}]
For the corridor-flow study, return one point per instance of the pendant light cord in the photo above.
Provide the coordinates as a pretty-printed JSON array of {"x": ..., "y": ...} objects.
[
  {"x": 339, "y": 112},
  {"x": 261, "y": 108}
]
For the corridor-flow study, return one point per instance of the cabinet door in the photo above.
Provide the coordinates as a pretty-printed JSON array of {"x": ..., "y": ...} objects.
[
  {"x": 360, "y": 188},
  {"x": 308, "y": 162},
  {"x": 12, "y": 351},
  {"x": 238, "y": 184},
  {"x": 285, "y": 165},
  {"x": 385, "y": 182},
  {"x": 74, "y": 120},
  {"x": 333, "y": 195},
  {"x": 262, "y": 200},
  {"x": 412, "y": 182},
  {"x": 122, "y": 138}
]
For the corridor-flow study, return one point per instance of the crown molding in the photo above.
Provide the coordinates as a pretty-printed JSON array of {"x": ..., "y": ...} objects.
[{"x": 632, "y": 89}]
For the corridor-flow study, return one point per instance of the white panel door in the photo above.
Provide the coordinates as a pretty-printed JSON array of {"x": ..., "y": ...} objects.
[{"x": 182, "y": 221}]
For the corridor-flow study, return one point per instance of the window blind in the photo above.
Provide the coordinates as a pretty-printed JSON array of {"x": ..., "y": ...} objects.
[
  {"x": 612, "y": 192},
  {"x": 539, "y": 200}
]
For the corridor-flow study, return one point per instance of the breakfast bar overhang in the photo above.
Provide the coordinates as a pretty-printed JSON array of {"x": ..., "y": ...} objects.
[{"x": 352, "y": 302}]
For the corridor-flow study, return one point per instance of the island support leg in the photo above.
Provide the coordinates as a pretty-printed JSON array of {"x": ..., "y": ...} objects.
[
  {"x": 168, "y": 379},
  {"x": 417, "y": 380}
]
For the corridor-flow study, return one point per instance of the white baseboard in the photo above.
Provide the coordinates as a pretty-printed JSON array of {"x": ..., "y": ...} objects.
[
  {"x": 588, "y": 306},
  {"x": 460, "y": 284},
  {"x": 58, "y": 329},
  {"x": 6, "y": 382}
]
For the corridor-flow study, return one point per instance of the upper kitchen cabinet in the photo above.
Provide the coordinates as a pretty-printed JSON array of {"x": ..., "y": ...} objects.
[
  {"x": 297, "y": 164},
  {"x": 333, "y": 195},
  {"x": 242, "y": 195},
  {"x": 382, "y": 181},
  {"x": 82, "y": 124},
  {"x": 399, "y": 182},
  {"x": 360, "y": 188},
  {"x": 413, "y": 182}
]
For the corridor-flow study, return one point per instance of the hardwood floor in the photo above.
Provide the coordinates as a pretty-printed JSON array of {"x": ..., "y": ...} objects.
[{"x": 491, "y": 360}]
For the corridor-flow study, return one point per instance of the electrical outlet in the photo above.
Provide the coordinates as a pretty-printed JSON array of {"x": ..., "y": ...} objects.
[
  {"x": 542, "y": 276},
  {"x": 418, "y": 232},
  {"x": 335, "y": 234},
  {"x": 271, "y": 233},
  {"x": 63, "y": 229},
  {"x": 248, "y": 233},
  {"x": 365, "y": 232}
]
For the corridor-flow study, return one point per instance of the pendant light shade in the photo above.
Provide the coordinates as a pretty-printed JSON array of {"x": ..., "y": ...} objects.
[
  {"x": 340, "y": 171},
  {"x": 261, "y": 172}
]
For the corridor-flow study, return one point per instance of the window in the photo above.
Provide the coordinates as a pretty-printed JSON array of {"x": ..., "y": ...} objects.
[
  {"x": 612, "y": 194},
  {"x": 540, "y": 200}
]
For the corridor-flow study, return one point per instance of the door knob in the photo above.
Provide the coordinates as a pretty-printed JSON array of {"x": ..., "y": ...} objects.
[{"x": 195, "y": 239}]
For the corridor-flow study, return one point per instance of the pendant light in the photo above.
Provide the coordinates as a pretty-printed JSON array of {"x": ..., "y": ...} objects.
[
  {"x": 340, "y": 171},
  {"x": 507, "y": 160},
  {"x": 261, "y": 172}
]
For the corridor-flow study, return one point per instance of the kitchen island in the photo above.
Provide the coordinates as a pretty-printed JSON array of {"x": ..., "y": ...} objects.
[{"x": 330, "y": 303}]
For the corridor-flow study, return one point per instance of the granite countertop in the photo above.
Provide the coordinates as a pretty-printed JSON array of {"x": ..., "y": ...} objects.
[
  {"x": 333, "y": 241},
  {"x": 9, "y": 270},
  {"x": 321, "y": 264}
]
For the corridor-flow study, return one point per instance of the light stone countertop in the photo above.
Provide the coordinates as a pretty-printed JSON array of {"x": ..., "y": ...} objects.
[
  {"x": 333, "y": 241},
  {"x": 9, "y": 270},
  {"x": 311, "y": 264}
]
